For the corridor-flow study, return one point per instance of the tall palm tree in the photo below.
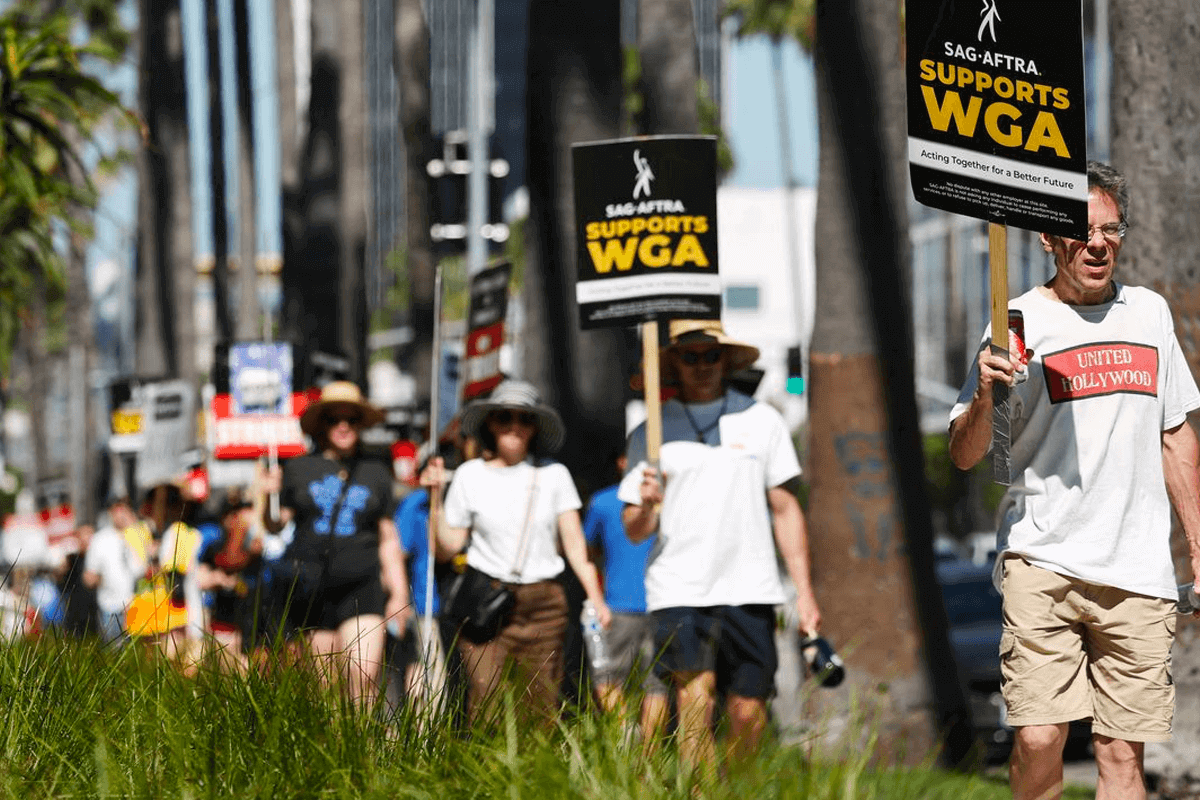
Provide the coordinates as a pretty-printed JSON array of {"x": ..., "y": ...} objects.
[
  {"x": 412, "y": 79},
  {"x": 353, "y": 202},
  {"x": 246, "y": 323},
  {"x": 1156, "y": 57},
  {"x": 872, "y": 535},
  {"x": 573, "y": 95},
  {"x": 166, "y": 330},
  {"x": 669, "y": 66}
]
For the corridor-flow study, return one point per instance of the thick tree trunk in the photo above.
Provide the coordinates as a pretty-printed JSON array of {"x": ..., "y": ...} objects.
[
  {"x": 354, "y": 319},
  {"x": 412, "y": 78},
  {"x": 670, "y": 66},
  {"x": 869, "y": 519},
  {"x": 1156, "y": 142},
  {"x": 291, "y": 318},
  {"x": 573, "y": 95},
  {"x": 166, "y": 327},
  {"x": 313, "y": 252},
  {"x": 81, "y": 348},
  {"x": 40, "y": 371},
  {"x": 247, "y": 317}
]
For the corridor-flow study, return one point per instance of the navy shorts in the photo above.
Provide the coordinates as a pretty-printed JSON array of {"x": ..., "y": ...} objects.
[
  {"x": 737, "y": 642},
  {"x": 326, "y": 608}
]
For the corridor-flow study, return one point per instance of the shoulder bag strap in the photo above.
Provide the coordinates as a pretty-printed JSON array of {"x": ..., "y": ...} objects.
[{"x": 523, "y": 546}]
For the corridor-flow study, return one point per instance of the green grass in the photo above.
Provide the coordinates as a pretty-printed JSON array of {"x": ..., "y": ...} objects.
[{"x": 81, "y": 721}]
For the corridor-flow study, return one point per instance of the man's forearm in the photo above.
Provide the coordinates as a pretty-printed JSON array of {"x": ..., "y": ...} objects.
[
  {"x": 971, "y": 432},
  {"x": 1181, "y": 470}
]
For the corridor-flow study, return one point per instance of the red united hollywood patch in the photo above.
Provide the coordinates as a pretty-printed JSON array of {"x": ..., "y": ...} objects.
[{"x": 1096, "y": 370}]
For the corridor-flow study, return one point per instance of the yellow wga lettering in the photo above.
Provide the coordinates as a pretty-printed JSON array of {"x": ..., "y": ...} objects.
[
  {"x": 1000, "y": 117},
  {"x": 658, "y": 241}
]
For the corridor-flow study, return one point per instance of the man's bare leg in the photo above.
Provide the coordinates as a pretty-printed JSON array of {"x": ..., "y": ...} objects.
[
  {"x": 747, "y": 723},
  {"x": 1120, "y": 766},
  {"x": 696, "y": 694},
  {"x": 1035, "y": 770}
]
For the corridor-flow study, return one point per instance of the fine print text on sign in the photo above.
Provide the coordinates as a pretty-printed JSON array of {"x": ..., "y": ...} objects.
[
  {"x": 647, "y": 218},
  {"x": 996, "y": 113}
]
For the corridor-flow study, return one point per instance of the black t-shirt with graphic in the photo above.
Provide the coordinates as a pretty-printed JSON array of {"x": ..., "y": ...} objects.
[{"x": 349, "y": 543}]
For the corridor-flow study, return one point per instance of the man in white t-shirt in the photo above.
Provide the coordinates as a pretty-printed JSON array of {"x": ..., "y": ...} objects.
[
  {"x": 112, "y": 568},
  {"x": 725, "y": 501},
  {"x": 1101, "y": 449}
]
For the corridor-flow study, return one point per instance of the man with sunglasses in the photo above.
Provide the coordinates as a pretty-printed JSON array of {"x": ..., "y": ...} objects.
[
  {"x": 1101, "y": 449},
  {"x": 725, "y": 500}
]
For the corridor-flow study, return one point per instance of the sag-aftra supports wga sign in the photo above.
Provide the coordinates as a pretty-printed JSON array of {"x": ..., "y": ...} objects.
[
  {"x": 646, "y": 210},
  {"x": 996, "y": 112}
]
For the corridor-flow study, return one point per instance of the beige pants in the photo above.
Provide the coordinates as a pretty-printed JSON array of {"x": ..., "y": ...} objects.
[
  {"x": 1073, "y": 650},
  {"x": 530, "y": 645}
]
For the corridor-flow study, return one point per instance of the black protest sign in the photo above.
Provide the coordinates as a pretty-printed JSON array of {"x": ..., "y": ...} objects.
[
  {"x": 996, "y": 113},
  {"x": 646, "y": 210},
  {"x": 485, "y": 330}
]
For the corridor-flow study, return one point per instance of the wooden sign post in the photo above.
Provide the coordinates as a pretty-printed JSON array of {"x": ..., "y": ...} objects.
[
  {"x": 653, "y": 394},
  {"x": 1001, "y": 409}
]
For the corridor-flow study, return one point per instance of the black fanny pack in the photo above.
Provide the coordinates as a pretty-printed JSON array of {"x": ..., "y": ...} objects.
[{"x": 479, "y": 603}]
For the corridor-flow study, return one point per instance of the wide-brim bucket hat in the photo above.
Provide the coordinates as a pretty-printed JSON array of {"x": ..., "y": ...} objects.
[
  {"x": 519, "y": 396},
  {"x": 342, "y": 395},
  {"x": 680, "y": 332}
]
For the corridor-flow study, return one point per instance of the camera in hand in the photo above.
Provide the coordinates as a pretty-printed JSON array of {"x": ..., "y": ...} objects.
[{"x": 824, "y": 665}]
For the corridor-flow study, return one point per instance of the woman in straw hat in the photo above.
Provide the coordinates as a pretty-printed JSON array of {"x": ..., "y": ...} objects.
[
  {"x": 515, "y": 511},
  {"x": 342, "y": 577}
]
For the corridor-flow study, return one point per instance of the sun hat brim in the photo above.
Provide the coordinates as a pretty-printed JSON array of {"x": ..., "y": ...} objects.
[
  {"x": 518, "y": 396},
  {"x": 739, "y": 355},
  {"x": 339, "y": 394}
]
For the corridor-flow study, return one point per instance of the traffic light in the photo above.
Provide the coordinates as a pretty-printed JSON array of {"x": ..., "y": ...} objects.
[{"x": 795, "y": 371}]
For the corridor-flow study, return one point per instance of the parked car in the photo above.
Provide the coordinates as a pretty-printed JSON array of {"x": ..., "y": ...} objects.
[{"x": 975, "y": 615}]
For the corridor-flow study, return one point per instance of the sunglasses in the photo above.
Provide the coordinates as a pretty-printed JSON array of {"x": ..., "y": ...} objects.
[
  {"x": 506, "y": 417},
  {"x": 335, "y": 418},
  {"x": 694, "y": 357}
]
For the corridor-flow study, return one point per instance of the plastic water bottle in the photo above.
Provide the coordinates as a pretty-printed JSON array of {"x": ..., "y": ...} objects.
[
  {"x": 593, "y": 637},
  {"x": 1188, "y": 602}
]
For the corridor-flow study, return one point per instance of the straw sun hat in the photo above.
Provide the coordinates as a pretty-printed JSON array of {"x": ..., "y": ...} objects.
[
  {"x": 518, "y": 396},
  {"x": 681, "y": 332},
  {"x": 342, "y": 395}
]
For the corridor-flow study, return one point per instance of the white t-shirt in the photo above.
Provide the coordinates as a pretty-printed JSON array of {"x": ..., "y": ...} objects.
[
  {"x": 492, "y": 501},
  {"x": 110, "y": 556},
  {"x": 1089, "y": 499},
  {"x": 715, "y": 544}
]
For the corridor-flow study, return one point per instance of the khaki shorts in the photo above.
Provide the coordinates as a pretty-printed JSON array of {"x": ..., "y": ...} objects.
[
  {"x": 1072, "y": 650},
  {"x": 630, "y": 642}
]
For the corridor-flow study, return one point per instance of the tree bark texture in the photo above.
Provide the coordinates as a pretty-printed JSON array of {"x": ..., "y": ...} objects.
[
  {"x": 353, "y": 200},
  {"x": 82, "y": 454},
  {"x": 321, "y": 238},
  {"x": 573, "y": 95},
  {"x": 670, "y": 66},
  {"x": 166, "y": 328},
  {"x": 412, "y": 78},
  {"x": 1156, "y": 143},
  {"x": 869, "y": 517},
  {"x": 248, "y": 315}
]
